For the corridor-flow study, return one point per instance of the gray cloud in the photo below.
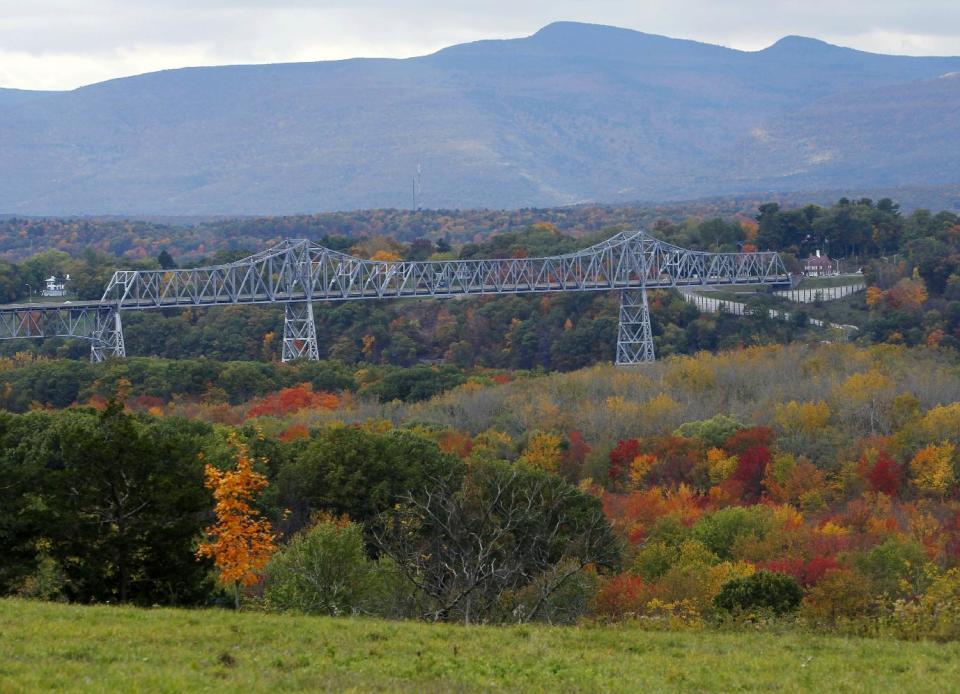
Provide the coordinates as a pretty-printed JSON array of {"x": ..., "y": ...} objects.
[{"x": 58, "y": 44}]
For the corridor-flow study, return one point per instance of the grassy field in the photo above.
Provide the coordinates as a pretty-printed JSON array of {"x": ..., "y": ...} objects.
[
  {"x": 848, "y": 310},
  {"x": 46, "y": 646},
  {"x": 829, "y": 281}
]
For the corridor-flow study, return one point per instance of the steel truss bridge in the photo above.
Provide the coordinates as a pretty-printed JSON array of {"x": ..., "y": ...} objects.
[{"x": 297, "y": 273}]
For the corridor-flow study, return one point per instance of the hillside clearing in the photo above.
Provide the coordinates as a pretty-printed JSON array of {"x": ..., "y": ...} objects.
[{"x": 49, "y": 646}]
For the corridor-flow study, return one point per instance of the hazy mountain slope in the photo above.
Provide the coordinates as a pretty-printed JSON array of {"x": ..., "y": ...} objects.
[
  {"x": 884, "y": 135},
  {"x": 9, "y": 97},
  {"x": 575, "y": 112}
]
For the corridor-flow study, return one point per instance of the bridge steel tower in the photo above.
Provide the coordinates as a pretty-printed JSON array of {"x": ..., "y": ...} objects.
[
  {"x": 634, "y": 334},
  {"x": 299, "y": 332}
]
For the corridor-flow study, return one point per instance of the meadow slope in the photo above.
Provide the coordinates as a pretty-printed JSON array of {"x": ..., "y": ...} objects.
[{"x": 50, "y": 646}]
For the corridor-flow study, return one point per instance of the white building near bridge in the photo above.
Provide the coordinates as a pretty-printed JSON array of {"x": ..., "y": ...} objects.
[{"x": 55, "y": 286}]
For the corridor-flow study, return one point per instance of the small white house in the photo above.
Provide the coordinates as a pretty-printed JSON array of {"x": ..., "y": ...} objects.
[
  {"x": 55, "y": 286},
  {"x": 819, "y": 266}
]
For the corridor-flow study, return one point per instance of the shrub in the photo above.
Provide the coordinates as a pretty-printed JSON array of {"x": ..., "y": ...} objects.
[
  {"x": 621, "y": 596},
  {"x": 763, "y": 590},
  {"x": 807, "y": 573},
  {"x": 895, "y": 568},
  {"x": 471, "y": 542},
  {"x": 936, "y": 615},
  {"x": 654, "y": 560},
  {"x": 322, "y": 570},
  {"x": 841, "y": 593},
  {"x": 563, "y": 603},
  {"x": 46, "y": 582},
  {"x": 721, "y": 530},
  {"x": 712, "y": 432}
]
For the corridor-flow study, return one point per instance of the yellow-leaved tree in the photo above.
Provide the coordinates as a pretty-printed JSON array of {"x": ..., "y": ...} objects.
[
  {"x": 240, "y": 541},
  {"x": 543, "y": 451},
  {"x": 640, "y": 467},
  {"x": 867, "y": 398},
  {"x": 385, "y": 256},
  {"x": 802, "y": 418},
  {"x": 932, "y": 468}
]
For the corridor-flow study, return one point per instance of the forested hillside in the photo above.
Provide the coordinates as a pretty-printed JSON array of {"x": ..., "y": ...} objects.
[
  {"x": 815, "y": 485},
  {"x": 131, "y": 239},
  {"x": 911, "y": 261}
]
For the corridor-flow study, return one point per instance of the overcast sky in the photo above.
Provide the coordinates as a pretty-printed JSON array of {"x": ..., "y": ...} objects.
[{"x": 61, "y": 44}]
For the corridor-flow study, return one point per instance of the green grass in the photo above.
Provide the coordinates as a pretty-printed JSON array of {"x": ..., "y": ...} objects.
[
  {"x": 739, "y": 294},
  {"x": 849, "y": 310},
  {"x": 829, "y": 281},
  {"x": 47, "y": 646}
]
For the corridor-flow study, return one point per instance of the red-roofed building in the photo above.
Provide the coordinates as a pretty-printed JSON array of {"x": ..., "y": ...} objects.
[{"x": 819, "y": 266}]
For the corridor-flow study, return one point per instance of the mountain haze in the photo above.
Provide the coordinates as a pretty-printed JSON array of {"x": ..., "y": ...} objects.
[{"x": 571, "y": 114}]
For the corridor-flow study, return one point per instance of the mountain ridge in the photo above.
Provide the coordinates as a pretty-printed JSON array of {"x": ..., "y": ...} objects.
[{"x": 572, "y": 113}]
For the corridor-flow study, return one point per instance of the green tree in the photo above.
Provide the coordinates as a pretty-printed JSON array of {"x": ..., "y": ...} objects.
[
  {"x": 166, "y": 260},
  {"x": 357, "y": 473},
  {"x": 763, "y": 590},
  {"x": 721, "y": 530},
  {"x": 117, "y": 501},
  {"x": 322, "y": 570}
]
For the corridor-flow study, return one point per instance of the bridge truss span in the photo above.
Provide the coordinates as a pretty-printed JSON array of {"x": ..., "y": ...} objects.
[
  {"x": 97, "y": 322},
  {"x": 298, "y": 272}
]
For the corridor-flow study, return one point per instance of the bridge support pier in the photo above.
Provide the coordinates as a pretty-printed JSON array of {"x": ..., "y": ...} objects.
[
  {"x": 299, "y": 332},
  {"x": 107, "y": 339},
  {"x": 634, "y": 336}
]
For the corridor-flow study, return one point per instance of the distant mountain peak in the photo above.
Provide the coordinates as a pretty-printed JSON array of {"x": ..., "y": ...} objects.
[
  {"x": 801, "y": 44},
  {"x": 566, "y": 28}
]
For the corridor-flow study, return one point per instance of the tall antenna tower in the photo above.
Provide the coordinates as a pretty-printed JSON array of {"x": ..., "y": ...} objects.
[{"x": 418, "y": 188}]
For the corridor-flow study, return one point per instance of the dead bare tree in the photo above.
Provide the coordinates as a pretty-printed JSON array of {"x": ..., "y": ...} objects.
[{"x": 469, "y": 544}]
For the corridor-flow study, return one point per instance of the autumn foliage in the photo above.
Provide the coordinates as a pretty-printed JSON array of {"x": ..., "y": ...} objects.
[
  {"x": 881, "y": 472},
  {"x": 290, "y": 400},
  {"x": 240, "y": 541}
]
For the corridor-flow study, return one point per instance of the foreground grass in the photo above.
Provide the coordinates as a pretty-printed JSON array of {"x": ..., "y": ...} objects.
[{"x": 45, "y": 646}]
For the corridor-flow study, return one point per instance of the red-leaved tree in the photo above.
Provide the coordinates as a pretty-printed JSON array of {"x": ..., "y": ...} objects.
[{"x": 621, "y": 457}]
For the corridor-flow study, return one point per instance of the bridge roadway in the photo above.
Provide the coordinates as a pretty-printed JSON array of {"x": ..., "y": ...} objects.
[{"x": 297, "y": 273}]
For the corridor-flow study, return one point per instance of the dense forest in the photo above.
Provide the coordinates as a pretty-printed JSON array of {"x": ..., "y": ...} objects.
[
  {"x": 824, "y": 479},
  {"x": 131, "y": 240},
  {"x": 138, "y": 240}
]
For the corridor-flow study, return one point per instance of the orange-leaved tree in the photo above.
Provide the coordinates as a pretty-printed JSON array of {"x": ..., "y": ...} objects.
[{"x": 241, "y": 541}]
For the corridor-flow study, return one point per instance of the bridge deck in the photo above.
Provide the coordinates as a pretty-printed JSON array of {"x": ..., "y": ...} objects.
[{"x": 174, "y": 302}]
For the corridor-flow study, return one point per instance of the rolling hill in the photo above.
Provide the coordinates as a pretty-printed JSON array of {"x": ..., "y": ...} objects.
[{"x": 573, "y": 113}]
